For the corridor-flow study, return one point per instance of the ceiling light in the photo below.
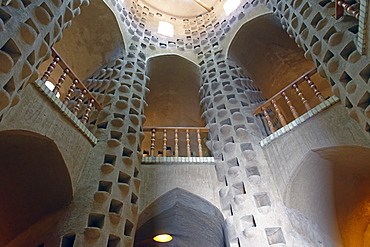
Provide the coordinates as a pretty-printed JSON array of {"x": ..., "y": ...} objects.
[
  {"x": 163, "y": 238},
  {"x": 230, "y": 6}
]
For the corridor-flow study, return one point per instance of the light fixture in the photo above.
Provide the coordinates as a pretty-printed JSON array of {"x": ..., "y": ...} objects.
[
  {"x": 163, "y": 238},
  {"x": 230, "y": 6}
]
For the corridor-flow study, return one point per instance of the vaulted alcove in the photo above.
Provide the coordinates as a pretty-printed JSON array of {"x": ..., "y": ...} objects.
[
  {"x": 34, "y": 181},
  {"x": 189, "y": 219},
  {"x": 331, "y": 188}
]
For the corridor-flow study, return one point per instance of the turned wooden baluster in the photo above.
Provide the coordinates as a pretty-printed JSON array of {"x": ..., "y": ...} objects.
[
  {"x": 60, "y": 81},
  {"x": 277, "y": 109},
  {"x": 339, "y": 11},
  {"x": 176, "y": 143},
  {"x": 188, "y": 151},
  {"x": 70, "y": 92},
  {"x": 300, "y": 94},
  {"x": 340, "y": 6},
  {"x": 314, "y": 89},
  {"x": 200, "y": 148},
  {"x": 85, "y": 117},
  {"x": 291, "y": 107},
  {"x": 152, "y": 144},
  {"x": 267, "y": 116},
  {"x": 164, "y": 142},
  {"x": 50, "y": 69},
  {"x": 79, "y": 102}
]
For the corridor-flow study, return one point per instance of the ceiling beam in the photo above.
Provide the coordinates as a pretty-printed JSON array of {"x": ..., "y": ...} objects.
[{"x": 203, "y": 5}]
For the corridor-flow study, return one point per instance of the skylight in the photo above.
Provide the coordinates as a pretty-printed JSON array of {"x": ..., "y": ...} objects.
[
  {"x": 230, "y": 6},
  {"x": 165, "y": 28}
]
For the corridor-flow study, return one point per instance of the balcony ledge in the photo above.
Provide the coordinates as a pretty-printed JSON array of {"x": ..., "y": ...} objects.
[
  {"x": 314, "y": 111},
  {"x": 177, "y": 160},
  {"x": 65, "y": 111}
]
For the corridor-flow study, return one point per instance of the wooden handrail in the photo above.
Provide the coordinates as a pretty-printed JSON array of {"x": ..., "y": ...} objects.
[
  {"x": 280, "y": 119},
  {"x": 202, "y": 129},
  {"x": 76, "y": 83},
  {"x": 279, "y": 94},
  {"x": 176, "y": 131},
  {"x": 75, "y": 78}
]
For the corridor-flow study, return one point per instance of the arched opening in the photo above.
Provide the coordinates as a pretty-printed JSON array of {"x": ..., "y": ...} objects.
[
  {"x": 331, "y": 188},
  {"x": 273, "y": 61},
  {"x": 93, "y": 40},
  {"x": 34, "y": 181},
  {"x": 189, "y": 219},
  {"x": 173, "y": 100},
  {"x": 271, "y": 58}
]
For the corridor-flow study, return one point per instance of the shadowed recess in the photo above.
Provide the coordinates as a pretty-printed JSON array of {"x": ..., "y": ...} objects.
[
  {"x": 93, "y": 40},
  {"x": 189, "y": 219},
  {"x": 266, "y": 52},
  {"x": 34, "y": 181}
]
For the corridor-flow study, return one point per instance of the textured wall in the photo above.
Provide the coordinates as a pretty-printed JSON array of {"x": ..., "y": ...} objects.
[
  {"x": 28, "y": 30},
  {"x": 331, "y": 44}
]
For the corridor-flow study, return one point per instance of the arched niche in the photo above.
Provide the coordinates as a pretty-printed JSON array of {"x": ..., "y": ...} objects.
[
  {"x": 173, "y": 100},
  {"x": 331, "y": 188},
  {"x": 271, "y": 58},
  {"x": 93, "y": 40},
  {"x": 191, "y": 220},
  {"x": 34, "y": 181},
  {"x": 273, "y": 61}
]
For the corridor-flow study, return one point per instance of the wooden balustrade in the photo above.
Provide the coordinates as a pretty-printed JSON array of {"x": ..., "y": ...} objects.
[
  {"x": 175, "y": 132},
  {"x": 341, "y": 6},
  {"x": 76, "y": 84},
  {"x": 271, "y": 105}
]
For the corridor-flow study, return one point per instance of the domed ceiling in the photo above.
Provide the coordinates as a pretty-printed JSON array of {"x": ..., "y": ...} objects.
[{"x": 180, "y": 8}]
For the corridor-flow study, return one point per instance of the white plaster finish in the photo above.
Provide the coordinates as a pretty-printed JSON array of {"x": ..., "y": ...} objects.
[
  {"x": 331, "y": 127},
  {"x": 47, "y": 121},
  {"x": 158, "y": 179}
]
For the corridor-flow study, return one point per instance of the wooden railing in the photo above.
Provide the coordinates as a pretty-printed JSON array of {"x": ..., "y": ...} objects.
[
  {"x": 341, "y": 6},
  {"x": 76, "y": 83},
  {"x": 271, "y": 106},
  {"x": 175, "y": 131}
]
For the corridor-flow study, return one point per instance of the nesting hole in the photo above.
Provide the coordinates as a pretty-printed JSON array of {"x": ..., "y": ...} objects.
[
  {"x": 96, "y": 220},
  {"x": 68, "y": 240},
  {"x": 115, "y": 206}
]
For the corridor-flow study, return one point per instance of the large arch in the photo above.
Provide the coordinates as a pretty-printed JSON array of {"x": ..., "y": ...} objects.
[
  {"x": 266, "y": 52},
  {"x": 173, "y": 100},
  {"x": 93, "y": 40},
  {"x": 191, "y": 220},
  {"x": 34, "y": 181},
  {"x": 273, "y": 61},
  {"x": 331, "y": 188}
]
